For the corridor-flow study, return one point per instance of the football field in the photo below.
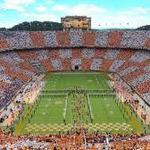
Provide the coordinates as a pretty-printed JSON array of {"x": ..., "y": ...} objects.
[{"x": 70, "y": 101}]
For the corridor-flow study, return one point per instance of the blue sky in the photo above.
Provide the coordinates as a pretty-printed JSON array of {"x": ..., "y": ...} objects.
[{"x": 104, "y": 13}]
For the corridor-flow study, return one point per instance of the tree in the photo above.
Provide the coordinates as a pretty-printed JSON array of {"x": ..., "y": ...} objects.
[
  {"x": 36, "y": 26},
  {"x": 146, "y": 27}
]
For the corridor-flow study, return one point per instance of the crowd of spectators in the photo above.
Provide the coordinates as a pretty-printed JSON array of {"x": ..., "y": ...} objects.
[
  {"x": 63, "y": 51},
  {"x": 18, "y": 67},
  {"x": 76, "y": 141},
  {"x": 27, "y": 94},
  {"x": 110, "y": 39}
]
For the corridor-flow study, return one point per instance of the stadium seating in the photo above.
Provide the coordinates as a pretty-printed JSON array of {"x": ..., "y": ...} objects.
[
  {"x": 18, "y": 67},
  {"x": 98, "y": 141},
  {"x": 24, "y": 54},
  {"x": 110, "y": 39}
]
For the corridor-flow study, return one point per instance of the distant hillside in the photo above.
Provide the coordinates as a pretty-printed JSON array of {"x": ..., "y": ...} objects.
[
  {"x": 146, "y": 27},
  {"x": 35, "y": 26}
]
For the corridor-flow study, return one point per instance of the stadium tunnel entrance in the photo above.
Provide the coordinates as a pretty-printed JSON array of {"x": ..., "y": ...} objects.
[{"x": 76, "y": 67}]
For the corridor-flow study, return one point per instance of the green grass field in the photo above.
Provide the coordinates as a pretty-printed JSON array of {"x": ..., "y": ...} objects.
[
  {"x": 69, "y": 99},
  {"x": 67, "y": 81}
]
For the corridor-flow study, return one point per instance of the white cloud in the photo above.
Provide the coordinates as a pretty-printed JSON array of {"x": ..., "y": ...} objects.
[
  {"x": 137, "y": 11},
  {"x": 17, "y": 5},
  {"x": 136, "y": 17},
  {"x": 81, "y": 9},
  {"x": 40, "y": 16},
  {"x": 108, "y": 18},
  {"x": 41, "y": 8},
  {"x": 30, "y": 17}
]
